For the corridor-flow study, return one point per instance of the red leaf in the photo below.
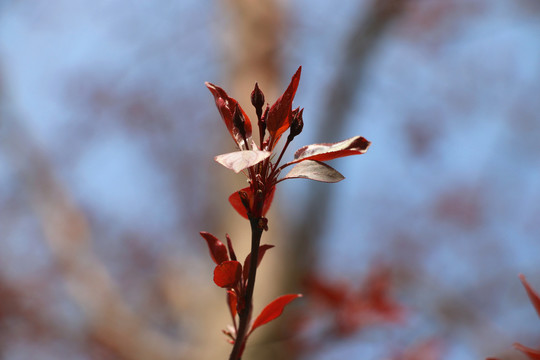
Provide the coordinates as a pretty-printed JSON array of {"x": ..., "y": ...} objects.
[
  {"x": 314, "y": 170},
  {"x": 237, "y": 204},
  {"x": 218, "y": 250},
  {"x": 531, "y": 353},
  {"x": 247, "y": 262},
  {"x": 323, "y": 152},
  {"x": 533, "y": 296},
  {"x": 273, "y": 310},
  {"x": 240, "y": 160},
  {"x": 228, "y": 274},
  {"x": 279, "y": 116},
  {"x": 236, "y": 201},
  {"x": 226, "y": 106}
]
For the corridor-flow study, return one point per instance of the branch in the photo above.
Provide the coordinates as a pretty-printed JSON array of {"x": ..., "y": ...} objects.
[
  {"x": 68, "y": 236},
  {"x": 341, "y": 94}
]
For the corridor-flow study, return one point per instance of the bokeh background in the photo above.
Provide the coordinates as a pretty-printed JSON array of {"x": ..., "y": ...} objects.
[{"x": 107, "y": 136}]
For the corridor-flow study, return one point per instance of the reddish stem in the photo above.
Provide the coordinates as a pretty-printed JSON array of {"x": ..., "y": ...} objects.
[
  {"x": 275, "y": 168},
  {"x": 245, "y": 314}
]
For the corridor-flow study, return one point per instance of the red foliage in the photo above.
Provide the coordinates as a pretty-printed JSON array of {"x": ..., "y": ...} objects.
[
  {"x": 535, "y": 301},
  {"x": 279, "y": 116},
  {"x": 236, "y": 201},
  {"x": 533, "y": 295},
  {"x": 351, "y": 308},
  {"x": 257, "y": 162},
  {"x": 228, "y": 274},
  {"x": 218, "y": 251},
  {"x": 273, "y": 310},
  {"x": 531, "y": 353},
  {"x": 226, "y": 106},
  {"x": 261, "y": 166}
]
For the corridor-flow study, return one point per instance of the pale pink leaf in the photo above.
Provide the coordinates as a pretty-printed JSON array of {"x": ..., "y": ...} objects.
[
  {"x": 240, "y": 160},
  {"x": 323, "y": 152},
  {"x": 314, "y": 170}
]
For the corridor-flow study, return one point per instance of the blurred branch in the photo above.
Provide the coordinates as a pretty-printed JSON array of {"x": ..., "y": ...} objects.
[
  {"x": 345, "y": 86},
  {"x": 111, "y": 322},
  {"x": 253, "y": 47}
]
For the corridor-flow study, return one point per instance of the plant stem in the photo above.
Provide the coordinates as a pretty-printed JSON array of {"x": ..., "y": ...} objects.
[
  {"x": 245, "y": 314},
  {"x": 275, "y": 169}
]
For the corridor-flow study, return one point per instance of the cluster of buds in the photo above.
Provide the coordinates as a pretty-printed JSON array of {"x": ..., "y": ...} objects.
[{"x": 261, "y": 163}]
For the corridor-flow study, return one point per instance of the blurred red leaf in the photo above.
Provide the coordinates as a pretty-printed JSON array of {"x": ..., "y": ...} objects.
[
  {"x": 531, "y": 353},
  {"x": 240, "y": 160},
  {"x": 535, "y": 300},
  {"x": 352, "y": 309},
  {"x": 533, "y": 296},
  {"x": 226, "y": 106},
  {"x": 377, "y": 289},
  {"x": 461, "y": 205},
  {"x": 314, "y": 170},
  {"x": 331, "y": 293},
  {"x": 273, "y": 310},
  {"x": 247, "y": 262},
  {"x": 328, "y": 151},
  {"x": 430, "y": 349},
  {"x": 218, "y": 251},
  {"x": 228, "y": 274},
  {"x": 279, "y": 116},
  {"x": 237, "y": 204}
]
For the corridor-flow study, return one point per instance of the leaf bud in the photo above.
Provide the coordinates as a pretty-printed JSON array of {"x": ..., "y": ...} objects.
[
  {"x": 297, "y": 123},
  {"x": 263, "y": 224},
  {"x": 239, "y": 121},
  {"x": 257, "y": 98}
]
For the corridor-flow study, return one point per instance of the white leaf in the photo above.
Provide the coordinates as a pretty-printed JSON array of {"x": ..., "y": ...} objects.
[
  {"x": 240, "y": 160},
  {"x": 323, "y": 152},
  {"x": 314, "y": 170}
]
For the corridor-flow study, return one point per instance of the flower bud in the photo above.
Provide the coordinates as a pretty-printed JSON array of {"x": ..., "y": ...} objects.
[
  {"x": 297, "y": 123},
  {"x": 257, "y": 98},
  {"x": 245, "y": 200},
  {"x": 239, "y": 121}
]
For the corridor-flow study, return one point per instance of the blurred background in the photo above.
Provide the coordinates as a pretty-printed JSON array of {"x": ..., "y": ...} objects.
[{"x": 107, "y": 139}]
